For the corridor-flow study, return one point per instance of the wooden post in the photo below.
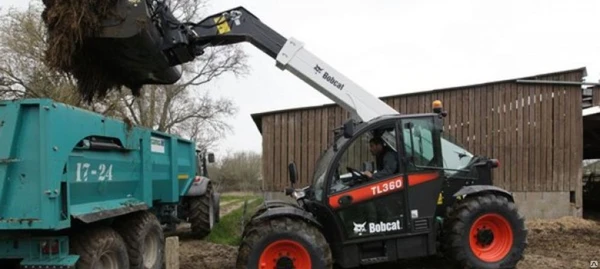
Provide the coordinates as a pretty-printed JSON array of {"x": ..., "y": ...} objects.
[{"x": 172, "y": 252}]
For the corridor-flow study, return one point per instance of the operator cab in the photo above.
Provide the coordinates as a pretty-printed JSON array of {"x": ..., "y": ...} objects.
[
  {"x": 402, "y": 146},
  {"x": 395, "y": 200},
  {"x": 202, "y": 160}
]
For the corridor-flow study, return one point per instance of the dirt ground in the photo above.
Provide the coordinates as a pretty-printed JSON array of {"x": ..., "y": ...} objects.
[{"x": 563, "y": 243}]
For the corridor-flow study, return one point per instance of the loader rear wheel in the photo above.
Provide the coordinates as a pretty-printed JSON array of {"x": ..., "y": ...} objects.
[
  {"x": 99, "y": 248},
  {"x": 283, "y": 243},
  {"x": 144, "y": 237},
  {"x": 485, "y": 231},
  {"x": 201, "y": 210}
]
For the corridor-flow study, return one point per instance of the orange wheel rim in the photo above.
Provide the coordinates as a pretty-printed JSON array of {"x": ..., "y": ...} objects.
[
  {"x": 285, "y": 254},
  {"x": 491, "y": 237}
]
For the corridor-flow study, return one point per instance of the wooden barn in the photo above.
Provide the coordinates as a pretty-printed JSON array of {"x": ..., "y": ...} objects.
[{"x": 533, "y": 125}]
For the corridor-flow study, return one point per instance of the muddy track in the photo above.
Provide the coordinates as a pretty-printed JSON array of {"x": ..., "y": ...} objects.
[
  {"x": 563, "y": 243},
  {"x": 229, "y": 207},
  {"x": 195, "y": 254},
  {"x": 226, "y": 208}
]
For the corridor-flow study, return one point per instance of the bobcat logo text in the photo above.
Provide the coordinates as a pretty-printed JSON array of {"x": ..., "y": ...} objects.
[{"x": 377, "y": 227}]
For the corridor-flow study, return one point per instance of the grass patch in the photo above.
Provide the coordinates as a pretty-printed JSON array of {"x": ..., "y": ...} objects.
[
  {"x": 227, "y": 198},
  {"x": 229, "y": 230}
]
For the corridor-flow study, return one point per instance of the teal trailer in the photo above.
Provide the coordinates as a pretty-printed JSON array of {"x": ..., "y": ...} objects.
[{"x": 74, "y": 183}]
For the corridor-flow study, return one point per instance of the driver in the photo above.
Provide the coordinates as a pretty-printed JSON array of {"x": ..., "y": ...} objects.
[
  {"x": 386, "y": 165},
  {"x": 386, "y": 159}
]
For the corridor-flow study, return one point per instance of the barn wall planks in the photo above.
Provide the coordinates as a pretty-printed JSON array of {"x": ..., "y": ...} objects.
[
  {"x": 533, "y": 129},
  {"x": 596, "y": 96}
]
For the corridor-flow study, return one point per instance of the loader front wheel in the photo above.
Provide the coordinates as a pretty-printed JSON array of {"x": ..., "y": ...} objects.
[
  {"x": 145, "y": 240},
  {"x": 283, "y": 243},
  {"x": 99, "y": 247},
  {"x": 485, "y": 231}
]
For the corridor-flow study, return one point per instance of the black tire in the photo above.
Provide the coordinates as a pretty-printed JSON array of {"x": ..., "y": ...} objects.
[
  {"x": 96, "y": 245},
  {"x": 501, "y": 219},
  {"x": 286, "y": 232},
  {"x": 217, "y": 205},
  {"x": 201, "y": 213},
  {"x": 145, "y": 239}
]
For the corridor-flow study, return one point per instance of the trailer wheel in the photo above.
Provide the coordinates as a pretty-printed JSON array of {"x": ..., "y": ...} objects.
[
  {"x": 145, "y": 240},
  {"x": 201, "y": 212},
  {"x": 99, "y": 247},
  {"x": 485, "y": 231},
  {"x": 283, "y": 243}
]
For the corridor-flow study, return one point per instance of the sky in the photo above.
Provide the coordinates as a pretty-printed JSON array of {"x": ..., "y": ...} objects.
[{"x": 392, "y": 47}]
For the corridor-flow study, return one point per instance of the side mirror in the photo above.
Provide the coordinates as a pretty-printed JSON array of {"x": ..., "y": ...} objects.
[
  {"x": 211, "y": 158},
  {"x": 293, "y": 173},
  {"x": 348, "y": 129}
]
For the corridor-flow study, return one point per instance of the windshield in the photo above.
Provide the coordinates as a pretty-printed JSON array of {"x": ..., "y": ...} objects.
[
  {"x": 322, "y": 165},
  {"x": 454, "y": 155}
]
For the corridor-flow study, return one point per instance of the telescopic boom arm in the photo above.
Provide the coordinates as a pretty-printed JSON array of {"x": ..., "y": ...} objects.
[{"x": 185, "y": 41}]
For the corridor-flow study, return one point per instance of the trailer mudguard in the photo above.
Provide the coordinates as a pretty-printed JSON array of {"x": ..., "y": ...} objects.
[
  {"x": 198, "y": 187},
  {"x": 283, "y": 209},
  {"x": 473, "y": 189}
]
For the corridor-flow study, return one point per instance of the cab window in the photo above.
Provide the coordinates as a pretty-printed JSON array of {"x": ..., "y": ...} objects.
[
  {"x": 366, "y": 154},
  {"x": 418, "y": 143}
]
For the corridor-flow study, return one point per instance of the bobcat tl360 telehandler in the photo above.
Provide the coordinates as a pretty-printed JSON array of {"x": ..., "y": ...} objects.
[{"x": 440, "y": 199}]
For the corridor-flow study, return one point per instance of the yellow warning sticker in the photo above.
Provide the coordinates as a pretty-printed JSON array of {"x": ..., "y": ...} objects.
[
  {"x": 440, "y": 199},
  {"x": 222, "y": 25},
  {"x": 183, "y": 176}
]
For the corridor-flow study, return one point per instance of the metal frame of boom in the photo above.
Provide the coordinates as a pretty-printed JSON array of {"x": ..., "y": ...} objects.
[{"x": 239, "y": 25}]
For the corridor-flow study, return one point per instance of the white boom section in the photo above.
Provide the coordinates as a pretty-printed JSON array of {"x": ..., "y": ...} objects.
[{"x": 362, "y": 105}]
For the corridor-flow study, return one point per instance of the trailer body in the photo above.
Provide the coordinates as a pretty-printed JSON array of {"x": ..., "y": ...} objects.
[{"x": 62, "y": 166}]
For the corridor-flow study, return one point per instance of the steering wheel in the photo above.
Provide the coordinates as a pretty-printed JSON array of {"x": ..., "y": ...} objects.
[{"x": 357, "y": 173}]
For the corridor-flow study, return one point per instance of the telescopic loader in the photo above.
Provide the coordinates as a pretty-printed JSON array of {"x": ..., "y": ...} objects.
[{"x": 441, "y": 198}]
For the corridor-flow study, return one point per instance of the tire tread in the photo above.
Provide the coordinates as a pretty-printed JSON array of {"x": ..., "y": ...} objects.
[
  {"x": 457, "y": 223},
  {"x": 199, "y": 210},
  {"x": 90, "y": 242},
  {"x": 132, "y": 228},
  {"x": 256, "y": 230}
]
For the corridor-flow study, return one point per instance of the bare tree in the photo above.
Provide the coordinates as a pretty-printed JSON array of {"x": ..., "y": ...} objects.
[
  {"x": 239, "y": 171},
  {"x": 184, "y": 108},
  {"x": 23, "y": 73}
]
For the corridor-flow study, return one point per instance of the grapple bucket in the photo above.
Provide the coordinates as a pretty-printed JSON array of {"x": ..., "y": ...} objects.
[
  {"x": 131, "y": 42},
  {"x": 107, "y": 44}
]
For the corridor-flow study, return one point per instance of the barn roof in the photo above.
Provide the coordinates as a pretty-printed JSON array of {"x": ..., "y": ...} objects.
[{"x": 257, "y": 117}]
